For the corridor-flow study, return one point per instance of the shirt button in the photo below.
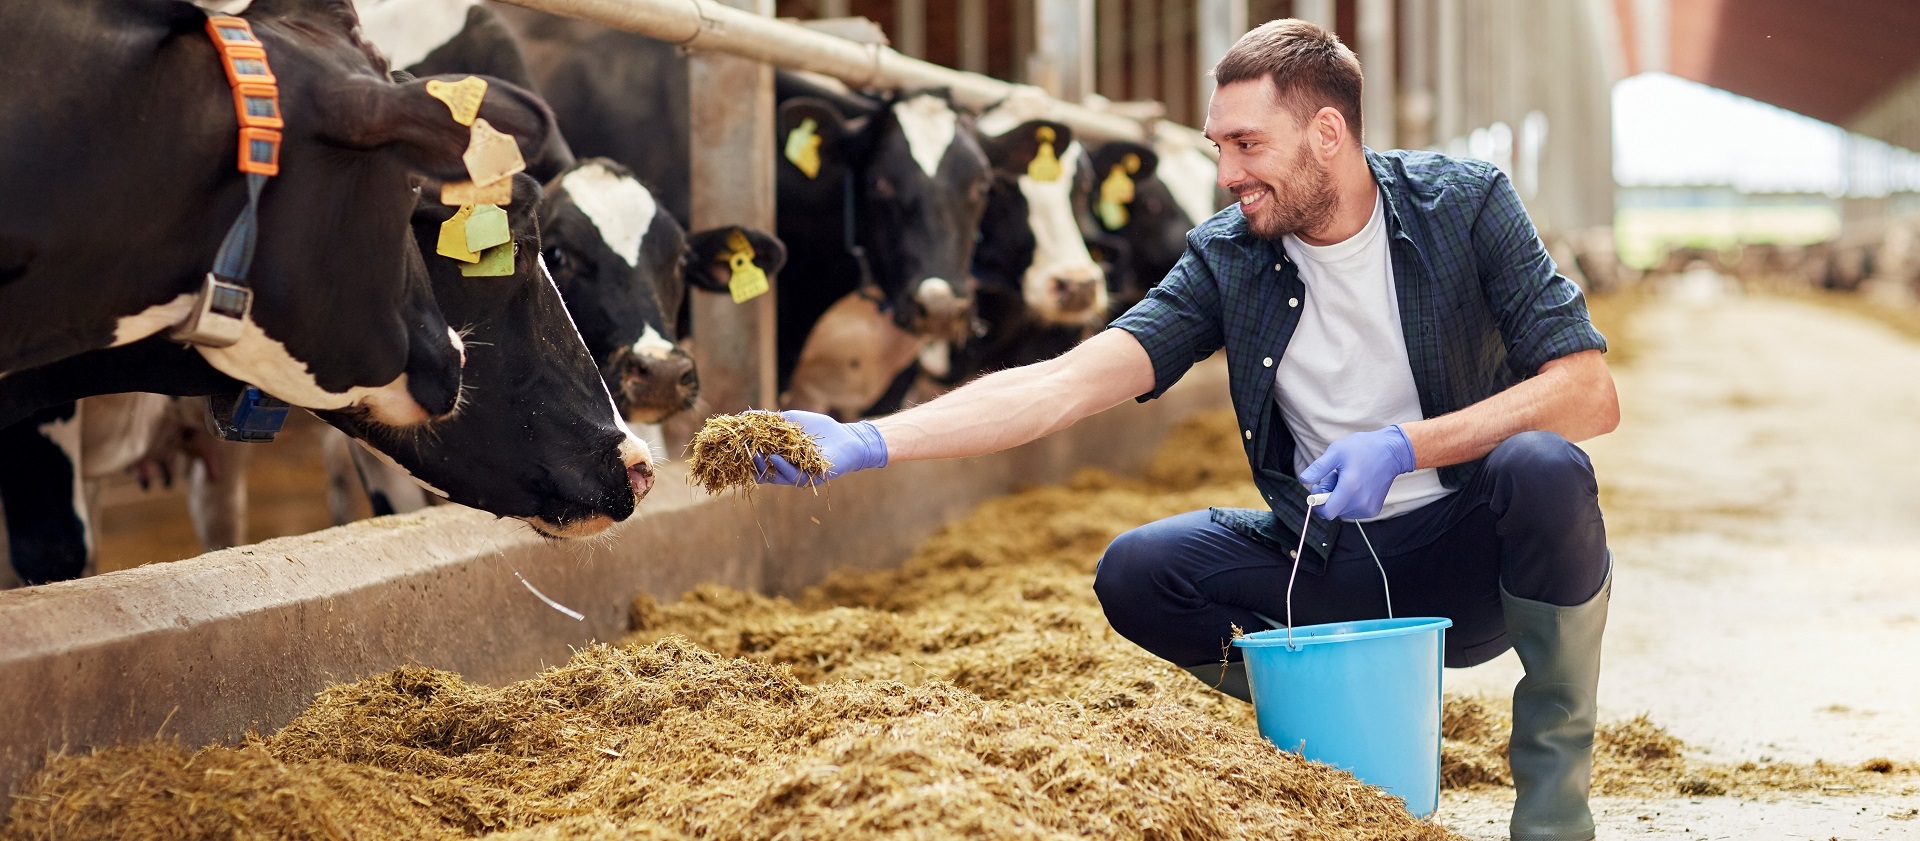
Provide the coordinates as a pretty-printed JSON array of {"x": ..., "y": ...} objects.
[
  {"x": 1293, "y": 302},
  {"x": 1248, "y": 433},
  {"x": 1276, "y": 267},
  {"x": 1267, "y": 362}
]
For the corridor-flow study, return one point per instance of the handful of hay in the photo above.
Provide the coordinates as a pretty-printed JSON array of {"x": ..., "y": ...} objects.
[{"x": 724, "y": 448}]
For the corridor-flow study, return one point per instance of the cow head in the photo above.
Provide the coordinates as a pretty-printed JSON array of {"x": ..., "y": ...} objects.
[
  {"x": 536, "y": 435},
  {"x": 333, "y": 245},
  {"x": 1030, "y": 239},
  {"x": 919, "y": 182},
  {"x": 1125, "y": 198},
  {"x": 622, "y": 265}
]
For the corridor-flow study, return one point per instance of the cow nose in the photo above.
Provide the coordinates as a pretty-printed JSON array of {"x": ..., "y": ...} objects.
[
  {"x": 638, "y": 458},
  {"x": 1077, "y": 292},
  {"x": 655, "y": 385},
  {"x": 945, "y": 311}
]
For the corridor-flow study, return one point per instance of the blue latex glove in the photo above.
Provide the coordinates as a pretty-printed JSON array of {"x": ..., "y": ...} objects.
[
  {"x": 1357, "y": 471},
  {"x": 847, "y": 446}
]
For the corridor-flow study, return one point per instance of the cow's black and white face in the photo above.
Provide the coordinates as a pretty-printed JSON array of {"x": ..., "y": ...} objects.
[
  {"x": 1125, "y": 203},
  {"x": 339, "y": 322},
  {"x": 536, "y": 435},
  {"x": 1030, "y": 237},
  {"x": 618, "y": 258},
  {"x": 623, "y": 266}
]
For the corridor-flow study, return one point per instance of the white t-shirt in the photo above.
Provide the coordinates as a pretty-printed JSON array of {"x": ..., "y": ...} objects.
[{"x": 1345, "y": 369}]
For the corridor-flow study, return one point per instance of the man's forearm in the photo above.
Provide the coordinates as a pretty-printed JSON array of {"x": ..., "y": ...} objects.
[
  {"x": 1012, "y": 407},
  {"x": 1572, "y": 395}
]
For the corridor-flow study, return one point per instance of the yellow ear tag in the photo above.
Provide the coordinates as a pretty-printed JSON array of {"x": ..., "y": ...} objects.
[
  {"x": 748, "y": 281},
  {"x": 456, "y": 193},
  {"x": 487, "y": 227},
  {"x": 491, "y": 155},
  {"x": 1044, "y": 166},
  {"x": 1116, "y": 191},
  {"x": 494, "y": 262},
  {"x": 453, "y": 237},
  {"x": 803, "y": 147},
  {"x": 462, "y": 97}
]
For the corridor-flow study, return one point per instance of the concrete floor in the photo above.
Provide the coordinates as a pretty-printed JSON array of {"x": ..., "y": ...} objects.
[{"x": 1761, "y": 497}]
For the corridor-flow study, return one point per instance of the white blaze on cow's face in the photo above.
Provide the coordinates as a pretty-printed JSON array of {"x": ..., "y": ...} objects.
[
  {"x": 653, "y": 345},
  {"x": 619, "y": 207},
  {"x": 1189, "y": 175},
  {"x": 930, "y": 125},
  {"x": 407, "y": 31},
  {"x": 1063, "y": 285}
]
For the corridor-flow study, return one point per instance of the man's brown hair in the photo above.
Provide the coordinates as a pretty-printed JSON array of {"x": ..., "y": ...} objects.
[{"x": 1309, "y": 66}]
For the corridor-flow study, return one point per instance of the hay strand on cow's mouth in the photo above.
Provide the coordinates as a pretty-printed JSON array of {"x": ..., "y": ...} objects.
[{"x": 724, "y": 448}]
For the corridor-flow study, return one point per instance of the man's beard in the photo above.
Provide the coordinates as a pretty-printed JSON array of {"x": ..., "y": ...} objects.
[{"x": 1303, "y": 202}]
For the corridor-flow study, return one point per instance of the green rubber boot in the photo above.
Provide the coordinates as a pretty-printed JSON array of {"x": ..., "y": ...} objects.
[
  {"x": 1551, "y": 753},
  {"x": 1229, "y": 678}
]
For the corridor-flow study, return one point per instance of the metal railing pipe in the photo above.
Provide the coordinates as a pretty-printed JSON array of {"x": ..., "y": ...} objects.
[{"x": 705, "y": 25}]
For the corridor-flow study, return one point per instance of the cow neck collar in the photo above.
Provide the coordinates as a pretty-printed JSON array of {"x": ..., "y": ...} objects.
[{"x": 219, "y": 314}]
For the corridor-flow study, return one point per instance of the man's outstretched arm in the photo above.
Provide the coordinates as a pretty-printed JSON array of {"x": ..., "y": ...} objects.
[
  {"x": 998, "y": 411},
  {"x": 1008, "y": 408}
]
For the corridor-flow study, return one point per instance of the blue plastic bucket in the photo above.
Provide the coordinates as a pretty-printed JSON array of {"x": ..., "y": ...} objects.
[{"x": 1362, "y": 696}]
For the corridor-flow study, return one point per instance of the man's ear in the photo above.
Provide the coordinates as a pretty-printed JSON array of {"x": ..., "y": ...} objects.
[
  {"x": 710, "y": 266},
  {"x": 362, "y": 112},
  {"x": 811, "y": 134},
  {"x": 1014, "y": 152},
  {"x": 1330, "y": 128}
]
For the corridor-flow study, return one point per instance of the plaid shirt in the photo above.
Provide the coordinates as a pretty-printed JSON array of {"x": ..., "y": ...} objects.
[{"x": 1481, "y": 305}]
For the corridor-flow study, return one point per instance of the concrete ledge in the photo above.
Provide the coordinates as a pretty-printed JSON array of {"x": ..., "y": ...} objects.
[{"x": 206, "y": 648}]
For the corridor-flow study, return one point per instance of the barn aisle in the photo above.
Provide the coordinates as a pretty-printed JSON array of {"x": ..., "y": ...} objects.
[{"x": 1760, "y": 496}]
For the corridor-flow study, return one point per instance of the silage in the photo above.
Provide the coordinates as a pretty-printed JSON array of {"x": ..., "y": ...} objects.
[{"x": 721, "y": 454}]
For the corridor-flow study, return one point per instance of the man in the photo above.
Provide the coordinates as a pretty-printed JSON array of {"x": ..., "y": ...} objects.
[{"x": 1396, "y": 337}]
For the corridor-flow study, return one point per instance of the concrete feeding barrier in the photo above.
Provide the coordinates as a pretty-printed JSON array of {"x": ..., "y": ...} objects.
[{"x": 209, "y": 647}]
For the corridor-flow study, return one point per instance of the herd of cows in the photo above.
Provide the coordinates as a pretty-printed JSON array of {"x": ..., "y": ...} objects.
[{"x": 916, "y": 245}]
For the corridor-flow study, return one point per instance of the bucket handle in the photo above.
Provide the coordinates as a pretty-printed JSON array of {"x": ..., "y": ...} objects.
[{"x": 1313, "y": 500}]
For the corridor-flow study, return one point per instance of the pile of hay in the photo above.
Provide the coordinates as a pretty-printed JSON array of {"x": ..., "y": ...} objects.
[
  {"x": 832, "y": 728},
  {"x": 721, "y": 453}
]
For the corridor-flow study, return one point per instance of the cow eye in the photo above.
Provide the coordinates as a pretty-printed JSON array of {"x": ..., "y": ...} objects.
[{"x": 559, "y": 260}]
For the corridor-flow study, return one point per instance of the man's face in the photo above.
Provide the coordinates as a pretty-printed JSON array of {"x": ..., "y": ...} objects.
[{"x": 1267, "y": 160}]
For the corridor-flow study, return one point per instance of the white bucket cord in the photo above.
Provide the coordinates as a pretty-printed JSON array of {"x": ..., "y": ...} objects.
[{"x": 1313, "y": 500}]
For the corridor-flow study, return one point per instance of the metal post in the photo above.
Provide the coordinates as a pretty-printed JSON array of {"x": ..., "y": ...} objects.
[
  {"x": 1062, "y": 62},
  {"x": 1217, "y": 24},
  {"x": 973, "y": 35},
  {"x": 1315, "y": 11},
  {"x": 732, "y": 168},
  {"x": 1110, "y": 42},
  {"x": 1175, "y": 61},
  {"x": 1449, "y": 119},
  {"x": 1143, "y": 21},
  {"x": 910, "y": 27},
  {"x": 828, "y": 8},
  {"x": 1416, "y": 74},
  {"x": 1379, "y": 96},
  {"x": 1023, "y": 41}
]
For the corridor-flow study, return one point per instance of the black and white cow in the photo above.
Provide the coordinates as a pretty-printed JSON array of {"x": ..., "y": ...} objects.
[{"x": 124, "y": 226}]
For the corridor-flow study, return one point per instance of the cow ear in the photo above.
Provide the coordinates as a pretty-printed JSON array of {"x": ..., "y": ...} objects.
[
  {"x": 1014, "y": 152},
  {"x": 1137, "y": 161},
  {"x": 810, "y": 134},
  {"x": 710, "y": 266},
  {"x": 361, "y": 112}
]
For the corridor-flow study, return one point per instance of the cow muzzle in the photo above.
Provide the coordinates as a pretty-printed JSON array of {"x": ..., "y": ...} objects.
[
  {"x": 944, "y": 312},
  {"x": 651, "y": 386},
  {"x": 572, "y": 521},
  {"x": 1067, "y": 295}
]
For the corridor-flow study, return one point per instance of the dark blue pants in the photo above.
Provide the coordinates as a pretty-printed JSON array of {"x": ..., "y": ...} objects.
[{"x": 1529, "y": 520}]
